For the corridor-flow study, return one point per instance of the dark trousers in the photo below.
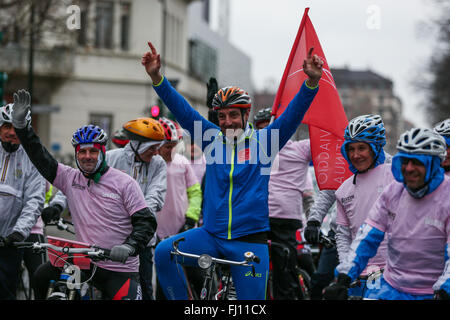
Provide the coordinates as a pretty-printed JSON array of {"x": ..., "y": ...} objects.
[
  {"x": 284, "y": 278},
  {"x": 146, "y": 273},
  {"x": 10, "y": 260},
  {"x": 324, "y": 275}
]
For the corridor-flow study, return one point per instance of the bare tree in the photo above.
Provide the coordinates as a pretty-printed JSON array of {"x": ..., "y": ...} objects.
[
  {"x": 49, "y": 19},
  {"x": 436, "y": 81}
]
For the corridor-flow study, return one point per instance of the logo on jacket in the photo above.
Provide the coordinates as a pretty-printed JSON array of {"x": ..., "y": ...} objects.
[
  {"x": 244, "y": 155},
  {"x": 18, "y": 173},
  {"x": 78, "y": 186},
  {"x": 347, "y": 199},
  {"x": 111, "y": 195}
]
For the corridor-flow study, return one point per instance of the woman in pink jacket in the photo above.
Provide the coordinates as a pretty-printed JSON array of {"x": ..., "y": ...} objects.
[{"x": 363, "y": 150}]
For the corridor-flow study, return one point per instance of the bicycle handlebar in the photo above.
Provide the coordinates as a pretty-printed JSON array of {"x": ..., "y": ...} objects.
[
  {"x": 324, "y": 240},
  {"x": 61, "y": 224},
  {"x": 249, "y": 256},
  {"x": 93, "y": 252}
]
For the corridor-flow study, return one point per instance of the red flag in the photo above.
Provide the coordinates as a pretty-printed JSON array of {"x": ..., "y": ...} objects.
[{"x": 326, "y": 118}]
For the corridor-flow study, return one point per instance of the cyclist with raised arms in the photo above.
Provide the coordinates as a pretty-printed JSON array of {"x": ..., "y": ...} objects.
[
  {"x": 443, "y": 128},
  {"x": 288, "y": 179},
  {"x": 235, "y": 208},
  {"x": 22, "y": 194},
  {"x": 413, "y": 214},
  {"x": 107, "y": 205},
  {"x": 364, "y": 138}
]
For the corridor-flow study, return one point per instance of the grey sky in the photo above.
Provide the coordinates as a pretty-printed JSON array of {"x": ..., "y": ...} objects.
[{"x": 382, "y": 35}]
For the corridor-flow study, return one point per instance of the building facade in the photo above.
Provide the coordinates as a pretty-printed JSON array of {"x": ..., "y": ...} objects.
[{"x": 93, "y": 74}]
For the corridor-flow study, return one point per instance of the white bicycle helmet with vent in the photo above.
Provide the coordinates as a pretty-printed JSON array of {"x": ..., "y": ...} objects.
[
  {"x": 6, "y": 114},
  {"x": 443, "y": 128},
  {"x": 422, "y": 141}
]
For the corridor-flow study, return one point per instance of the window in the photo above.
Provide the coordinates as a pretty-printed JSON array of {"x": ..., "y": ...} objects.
[
  {"x": 104, "y": 24},
  {"x": 202, "y": 60},
  {"x": 125, "y": 26},
  {"x": 82, "y": 33}
]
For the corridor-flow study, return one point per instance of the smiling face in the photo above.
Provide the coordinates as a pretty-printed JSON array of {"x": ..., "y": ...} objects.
[
  {"x": 414, "y": 173},
  {"x": 230, "y": 121},
  {"x": 360, "y": 155},
  {"x": 87, "y": 158},
  {"x": 8, "y": 134}
]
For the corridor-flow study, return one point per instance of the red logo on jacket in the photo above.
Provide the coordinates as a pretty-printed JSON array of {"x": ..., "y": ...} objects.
[{"x": 244, "y": 155}]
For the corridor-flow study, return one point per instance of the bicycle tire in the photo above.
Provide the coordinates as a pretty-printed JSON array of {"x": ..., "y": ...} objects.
[
  {"x": 304, "y": 282},
  {"x": 24, "y": 290}
]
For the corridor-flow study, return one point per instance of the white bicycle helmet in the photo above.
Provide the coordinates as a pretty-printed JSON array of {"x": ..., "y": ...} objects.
[
  {"x": 422, "y": 141},
  {"x": 443, "y": 128},
  {"x": 366, "y": 128},
  {"x": 6, "y": 114}
]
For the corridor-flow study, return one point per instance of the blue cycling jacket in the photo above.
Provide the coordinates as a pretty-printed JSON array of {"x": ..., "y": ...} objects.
[{"x": 237, "y": 172}]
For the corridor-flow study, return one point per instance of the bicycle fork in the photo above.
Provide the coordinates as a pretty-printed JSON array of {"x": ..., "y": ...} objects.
[{"x": 207, "y": 283}]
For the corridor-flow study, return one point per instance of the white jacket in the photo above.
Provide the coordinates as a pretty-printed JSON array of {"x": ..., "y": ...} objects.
[
  {"x": 22, "y": 193},
  {"x": 151, "y": 177}
]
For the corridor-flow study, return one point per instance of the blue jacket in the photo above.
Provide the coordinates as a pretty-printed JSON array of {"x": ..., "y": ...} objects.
[{"x": 237, "y": 172}]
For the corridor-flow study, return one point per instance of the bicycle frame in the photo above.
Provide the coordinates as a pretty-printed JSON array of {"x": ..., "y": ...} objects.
[
  {"x": 209, "y": 264},
  {"x": 67, "y": 286}
]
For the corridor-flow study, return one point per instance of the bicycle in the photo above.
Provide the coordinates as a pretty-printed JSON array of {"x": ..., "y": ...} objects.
[
  {"x": 217, "y": 284},
  {"x": 306, "y": 258},
  {"x": 362, "y": 283},
  {"x": 24, "y": 289},
  {"x": 71, "y": 257}
]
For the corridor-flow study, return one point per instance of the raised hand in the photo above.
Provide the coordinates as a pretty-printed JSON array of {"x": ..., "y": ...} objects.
[
  {"x": 151, "y": 60},
  {"x": 312, "y": 66},
  {"x": 21, "y": 109}
]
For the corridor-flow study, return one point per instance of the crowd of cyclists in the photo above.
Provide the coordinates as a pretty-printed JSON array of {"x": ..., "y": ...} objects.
[{"x": 218, "y": 184}]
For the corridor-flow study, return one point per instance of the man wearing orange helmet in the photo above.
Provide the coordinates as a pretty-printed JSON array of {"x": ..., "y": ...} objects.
[{"x": 239, "y": 158}]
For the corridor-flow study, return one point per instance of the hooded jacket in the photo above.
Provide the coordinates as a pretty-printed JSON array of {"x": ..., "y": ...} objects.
[{"x": 22, "y": 193}]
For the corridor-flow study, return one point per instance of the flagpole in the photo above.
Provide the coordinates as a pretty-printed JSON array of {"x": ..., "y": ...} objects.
[{"x": 276, "y": 102}]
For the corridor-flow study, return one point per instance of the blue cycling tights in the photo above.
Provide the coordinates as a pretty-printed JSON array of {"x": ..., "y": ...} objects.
[{"x": 199, "y": 241}]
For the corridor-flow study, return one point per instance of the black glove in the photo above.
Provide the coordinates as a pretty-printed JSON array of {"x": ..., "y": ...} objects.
[
  {"x": 13, "y": 237},
  {"x": 189, "y": 224},
  {"x": 51, "y": 213},
  {"x": 441, "y": 295},
  {"x": 312, "y": 232},
  {"x": 212, "y": 88},
  {"x": 338, "y": 290}
]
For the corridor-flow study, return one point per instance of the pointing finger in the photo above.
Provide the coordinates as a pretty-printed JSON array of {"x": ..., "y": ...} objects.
[
  {"x": 310, "y": 52},
  {"x": 152, "y": 48}
]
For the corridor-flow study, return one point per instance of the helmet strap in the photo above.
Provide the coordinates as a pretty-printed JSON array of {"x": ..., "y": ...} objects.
[
  {"x": 244, "y": 123},
  {"x": 10, "y": 147},
  {"x": 100, "y": 169}
]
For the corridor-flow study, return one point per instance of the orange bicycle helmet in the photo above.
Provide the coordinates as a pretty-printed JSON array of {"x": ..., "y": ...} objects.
[
  {"x": 231, "y": 97},
  {"x": 144, "y": 130}
]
